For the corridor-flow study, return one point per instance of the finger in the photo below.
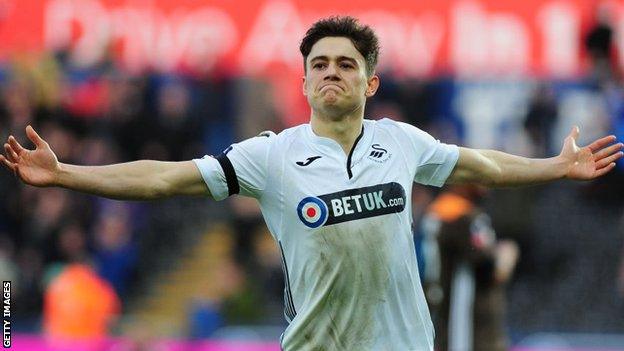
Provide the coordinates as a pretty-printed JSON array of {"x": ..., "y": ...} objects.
[
  {"x": 608, "y": 151},
  {"x": 34, "y": 137},
  {"x": 600, "y": 143},
  {"x": 604, "y": 170},
  {"x": 574, "y": 133},
  {"x": 607, "y": 160},
  {"x": 8, "y": 164},
  {"x": 15, "y": 145},
  {"x": 11, "y": 155}
]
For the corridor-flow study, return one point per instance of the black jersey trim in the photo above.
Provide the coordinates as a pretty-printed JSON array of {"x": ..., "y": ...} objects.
[
  {"x": 230, "y": 174},
  {"x": 349, "y": 173},
  {"x": 289, "y": 305}
]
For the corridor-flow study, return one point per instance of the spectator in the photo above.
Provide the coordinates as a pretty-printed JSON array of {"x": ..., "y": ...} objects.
[
  {"x": 115, "y": 251},
  {"x": 466, "y": 271},
  {"x": 540, "y": 119},
  {"x": 79, "y": 305},
  {"x": 599, "y": 43}
]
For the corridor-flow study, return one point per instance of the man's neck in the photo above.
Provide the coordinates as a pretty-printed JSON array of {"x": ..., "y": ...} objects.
[{"x": 344, "y": 130}]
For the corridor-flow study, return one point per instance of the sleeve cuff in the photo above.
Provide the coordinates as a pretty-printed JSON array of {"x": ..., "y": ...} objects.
[
  {"x": 214, "y": 176},
  {"x": 443, "y": 172}
]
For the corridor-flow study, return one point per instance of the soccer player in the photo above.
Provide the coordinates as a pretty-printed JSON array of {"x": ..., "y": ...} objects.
[{"x": 334, "y": 193}]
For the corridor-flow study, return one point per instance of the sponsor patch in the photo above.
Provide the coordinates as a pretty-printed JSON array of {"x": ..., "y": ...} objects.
[{"x": 352, "y": 204}]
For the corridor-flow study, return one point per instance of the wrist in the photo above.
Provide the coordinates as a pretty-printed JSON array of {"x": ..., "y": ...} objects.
[
  {"x": 60, "y": 175},
  {"x": 561, "y": 165}
]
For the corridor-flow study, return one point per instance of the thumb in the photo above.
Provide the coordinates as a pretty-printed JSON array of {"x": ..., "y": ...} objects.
[
  {"x": 34, "y": 137},
  {"x": 574, "y": 133}
]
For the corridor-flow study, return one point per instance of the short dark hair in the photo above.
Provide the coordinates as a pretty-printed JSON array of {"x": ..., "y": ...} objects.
[{"x": 362, "y": 36}]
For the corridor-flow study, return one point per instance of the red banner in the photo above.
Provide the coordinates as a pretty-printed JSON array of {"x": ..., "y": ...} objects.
[{"x": 258, "y": 36}]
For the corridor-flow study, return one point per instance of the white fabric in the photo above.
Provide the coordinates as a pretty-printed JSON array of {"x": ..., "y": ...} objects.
[
  {"x": 462, "y": 302},
  {"x": 347, "y": 243}
]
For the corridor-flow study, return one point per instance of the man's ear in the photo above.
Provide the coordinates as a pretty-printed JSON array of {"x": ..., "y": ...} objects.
[
  {"x": 303, "y": 86},
  {"x": 373, "y": 85}
]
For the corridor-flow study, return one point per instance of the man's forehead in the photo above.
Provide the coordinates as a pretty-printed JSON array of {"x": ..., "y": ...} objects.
[{"x": 333, "y": 47}]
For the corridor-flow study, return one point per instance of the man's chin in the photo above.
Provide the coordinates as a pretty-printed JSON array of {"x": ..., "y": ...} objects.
[
  {"x": 330, "y": 96},
  {"x": 330, "y": 100},
  {"x": 332, "y": 105},
  {"x": 335, "y": 109}
]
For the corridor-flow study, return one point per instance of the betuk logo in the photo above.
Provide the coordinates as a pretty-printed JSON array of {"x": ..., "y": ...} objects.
[
  {"x": 351, "y": 204},
  {"x": 312, "y": 211}
]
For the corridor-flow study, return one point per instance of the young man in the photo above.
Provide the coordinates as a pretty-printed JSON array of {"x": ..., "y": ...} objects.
[{"x": 334, "y": 193}]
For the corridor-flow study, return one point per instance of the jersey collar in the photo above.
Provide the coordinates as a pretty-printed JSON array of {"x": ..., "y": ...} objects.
[{"x": 329, "y": 146}]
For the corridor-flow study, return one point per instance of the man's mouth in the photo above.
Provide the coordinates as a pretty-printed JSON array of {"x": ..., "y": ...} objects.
[{"x": 331, "y": 86}]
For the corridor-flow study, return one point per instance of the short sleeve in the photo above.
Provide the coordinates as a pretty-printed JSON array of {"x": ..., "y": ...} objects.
[
  {"x": 434, "y": 160},
  {"x": 240, "y": 169}
]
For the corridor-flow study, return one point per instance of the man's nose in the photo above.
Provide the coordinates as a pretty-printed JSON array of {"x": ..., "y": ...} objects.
[{"x": 331, "y": 73}]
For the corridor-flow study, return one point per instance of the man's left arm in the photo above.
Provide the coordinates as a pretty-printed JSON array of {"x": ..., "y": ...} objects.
[{"x": 499, "y": 169}]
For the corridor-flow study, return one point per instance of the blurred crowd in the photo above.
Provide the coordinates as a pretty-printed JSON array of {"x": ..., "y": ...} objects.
[
  {"x": 100, "y": 115},
  {"x": 96, "y": 116}
]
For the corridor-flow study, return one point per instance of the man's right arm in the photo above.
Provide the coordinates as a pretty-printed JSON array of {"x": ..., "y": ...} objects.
[{"x": 138, "y": 180}]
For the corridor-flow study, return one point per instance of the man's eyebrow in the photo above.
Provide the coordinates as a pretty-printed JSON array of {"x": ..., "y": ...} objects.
[
  {"x": 346, "y": 58},
  {"x": 340, "y": 58},
  {"x": 322, "y": 58}
]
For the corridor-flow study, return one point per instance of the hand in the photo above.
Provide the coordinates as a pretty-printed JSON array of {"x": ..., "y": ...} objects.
[
  {"x": 37, "y": 167},
  {"x": 506, "y": 257},
  {"x": 589, "y": 162}
]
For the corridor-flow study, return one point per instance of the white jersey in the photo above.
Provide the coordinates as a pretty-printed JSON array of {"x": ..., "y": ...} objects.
[{"x": 343, "y": 226}]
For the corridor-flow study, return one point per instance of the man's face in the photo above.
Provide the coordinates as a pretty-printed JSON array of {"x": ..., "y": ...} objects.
[{"x": 335, "y": 82}]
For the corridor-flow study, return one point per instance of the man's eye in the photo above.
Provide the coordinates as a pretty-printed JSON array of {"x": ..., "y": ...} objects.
[
  {"x": 346, "y": 65},
  {"x": 318, "y": 65}
]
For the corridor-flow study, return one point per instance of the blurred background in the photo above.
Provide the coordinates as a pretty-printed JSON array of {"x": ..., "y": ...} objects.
[{"x": 108, "y": 81}]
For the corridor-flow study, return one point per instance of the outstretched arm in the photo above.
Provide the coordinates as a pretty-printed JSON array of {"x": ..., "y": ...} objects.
[
  {"x": 495, "y": 168},
  {"x": 138, "y": 180}
]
